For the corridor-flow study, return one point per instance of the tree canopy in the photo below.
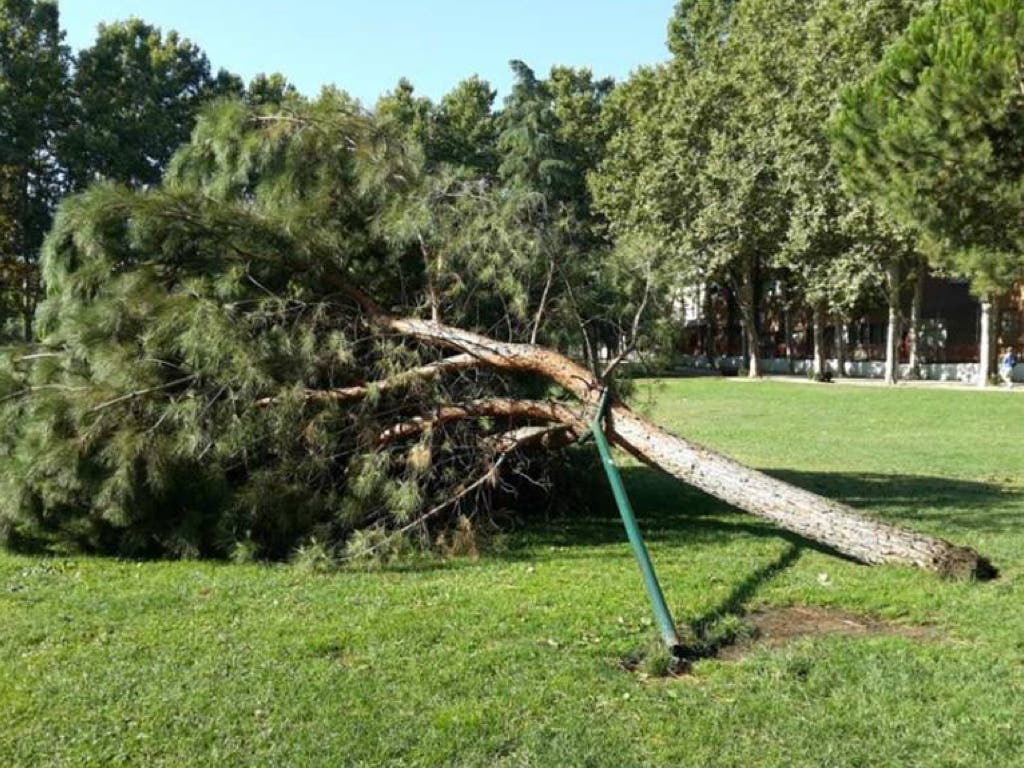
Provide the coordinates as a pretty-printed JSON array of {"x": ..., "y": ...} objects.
[
  {"x": 136, "y": 95},
  {"x": 270, "y": 318},
  {"x": 934, "y": 135},
  {"x": 33, "y": 113},
  {"x": 725, "y": 160}
]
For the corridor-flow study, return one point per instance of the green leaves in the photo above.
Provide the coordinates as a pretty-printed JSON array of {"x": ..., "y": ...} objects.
[
  {"x": 136, "y": 96},
  {"x": 33, "y": 112},
  {"x": 724, "y": 159},
  {"x": 203, "y": 335},
  {"x": 934, "y": 136}
]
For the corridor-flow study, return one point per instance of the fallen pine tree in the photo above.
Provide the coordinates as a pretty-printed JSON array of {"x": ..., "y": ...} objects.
[
  {"x": 218, "y": 372},
  {"x": 807, "y": 514}
]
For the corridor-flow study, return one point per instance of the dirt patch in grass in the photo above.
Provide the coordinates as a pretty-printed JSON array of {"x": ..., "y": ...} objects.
[
  {"x": 775, "y": 627},
  {"x": 733, "y": 637}
]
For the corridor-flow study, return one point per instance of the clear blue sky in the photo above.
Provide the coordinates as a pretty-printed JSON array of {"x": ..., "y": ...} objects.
[{"x": 365, "y": 46}]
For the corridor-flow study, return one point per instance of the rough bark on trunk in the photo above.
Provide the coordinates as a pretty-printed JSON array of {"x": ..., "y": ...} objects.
[
  {"x": 711, "y": 330},
  {"x": 819, "y": 340},
  {"x": 892, "y": 337},
  {"x": 914, "y": 338},
  {"x": 985, "y": 349},
  {"x": 840, "y": 331},
  {"x": 790, "y": 352},
  {"x": 748, "y": 312},
  {"x": 807, "y": 514}
]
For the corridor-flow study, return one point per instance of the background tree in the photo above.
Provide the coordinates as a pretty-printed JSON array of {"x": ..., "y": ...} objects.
[
  {"x": 634, "y": 190},
  {"x": 465, "y": 127},
  {"x": 443, "y": 212},
  {"x": 935, "y": 134},
  {"x": 552, "y": 137},
  {"x": 33, "y": 112},
  {"x": 714, "y": 190},
  {"x": 409, "y": 115},
  {"x": 726, "y": 160},
  {"x": 838, "y": 249},
  {"x": 698, "y": 27},
  {"x": 270, "y": 89},
  {"x": 136, "y": 95}
]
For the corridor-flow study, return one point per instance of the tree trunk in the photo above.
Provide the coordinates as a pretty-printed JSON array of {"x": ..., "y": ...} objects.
[
  {"x": 790, "y": 352},
  {"x": 711, "y": 329},
  {"x": 432, "y": 265},
  {"x": 840, "y": 332},
  {"x": 892, "y": 338},
  {"x": 985, "y": 348},
  {"x": 27, "y": 327},
  {"x": 754, "y": 347},
  {"x": 819, "y": 340},
  {"x": 28, "y": 307},
  {"x": 914, "y": 340},
  {"x": 748, "y": 312},
  {"x": 807, "y": 514}
]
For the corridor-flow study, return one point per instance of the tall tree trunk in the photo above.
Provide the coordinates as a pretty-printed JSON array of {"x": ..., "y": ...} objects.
[
  {"x": 710, "y": 325},
  {"x": 820, "y": 359},
  {"x": 840, "y": 332},
  {"x": 986, "y": 350},
  {"x": 753, "y": 348},
  {"x": 542, "y": 305},
  {"x": 914, "y": 340},
  {"x": 819, "y": 340},
  {"x": 747, "y": 296},
  {"x": 807, "y": 514},
  {"x": 790, "y": 352},
  {"x": 730, "y": 321},
  {"x": 892, "y": 337},
  {"x": 432, "y": 265},
  {"x": 28, "y": 306},
  {"x": 28, "y": 330}
]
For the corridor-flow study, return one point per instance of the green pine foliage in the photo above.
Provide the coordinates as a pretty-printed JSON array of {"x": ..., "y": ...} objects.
[
  {"x": 34, "y": 113},
  {"x": 171, "y": 312},
  {"x": 935, "y": 135},
  {"x": 174, "y": 404},
  {"x": 721, "y": 155}
]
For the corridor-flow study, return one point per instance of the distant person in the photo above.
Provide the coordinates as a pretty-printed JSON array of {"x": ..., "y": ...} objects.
[{"x": 1006, "y": 365}]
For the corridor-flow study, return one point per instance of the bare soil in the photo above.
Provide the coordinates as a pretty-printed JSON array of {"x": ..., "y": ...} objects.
[
  {"x": 775, "y": 627},
  {"x": 770, "y": 628}
]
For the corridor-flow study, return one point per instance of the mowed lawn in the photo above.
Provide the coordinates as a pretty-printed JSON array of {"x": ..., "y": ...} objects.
[{"x": 516, "y": 659}]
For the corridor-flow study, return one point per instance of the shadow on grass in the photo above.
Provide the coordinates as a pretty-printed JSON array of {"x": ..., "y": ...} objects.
[
  {"x": 715, "y": 631},
  {"x": 722, "y": 626},
  {"x": 670, "y": 511},
  {"x": 950, "y": 504}
]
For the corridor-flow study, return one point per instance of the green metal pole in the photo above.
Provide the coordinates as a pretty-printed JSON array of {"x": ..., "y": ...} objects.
[{"x": 636, "y": 539}]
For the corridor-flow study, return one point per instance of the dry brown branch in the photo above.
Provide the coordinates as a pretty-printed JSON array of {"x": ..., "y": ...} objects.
[
  {"x": 403, "y": 379},
  {"x": 551, "y": 436},
  {"x": 536, "y": 410}
]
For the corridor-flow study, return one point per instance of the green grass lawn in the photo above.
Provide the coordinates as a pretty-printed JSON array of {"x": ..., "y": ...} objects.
[{"x": 515, "y": 660}]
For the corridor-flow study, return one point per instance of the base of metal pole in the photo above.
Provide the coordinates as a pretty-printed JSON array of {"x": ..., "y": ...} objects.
[{"x": 636, "y": 539}]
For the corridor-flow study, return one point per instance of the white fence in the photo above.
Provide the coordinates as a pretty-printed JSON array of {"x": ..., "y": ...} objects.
[{"x": 966, "y": 373}]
